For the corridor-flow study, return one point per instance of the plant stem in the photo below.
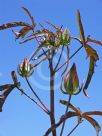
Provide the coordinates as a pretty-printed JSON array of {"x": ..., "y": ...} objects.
[
  {"x": 74, "y": 129},
  {"x": 69, "y": 58},
  {"x": 40, "y": 55},
  {"x": 59, "y": 59},
  {"x": 44, "y": 58},
  {"x": 52, "y": 116},
  {"x": 63, "y": 125},
  {"x": 36, "y": 95},
  {"x": 22, "y": 91},
  {"x": 61, "y": 120}
]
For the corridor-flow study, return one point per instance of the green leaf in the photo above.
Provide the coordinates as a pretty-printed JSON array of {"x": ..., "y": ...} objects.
[
  {"x": 81, "y": 30},
  {"x": 94, "y": 123},
  {"x": 93, "y": 58}
]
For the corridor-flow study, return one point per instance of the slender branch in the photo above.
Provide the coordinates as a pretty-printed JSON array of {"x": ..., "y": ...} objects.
[
  {"x": 63, "y": 125},
  {"x": 38, "y": 49},
  {"x": 62, "y": 119},
  {"x": 36, "y": 95},
  {"x": 39, "y": 55},
  {"x": 69, "y": 58},
  {"x": 41, "y": 47},
  {"x": 59, "y": 59},
  {"x": 24, "y": 41},
  {"x": 68, "y": 51},
  {"x": 52, "y": 116},
  {"x": 22, "y": 91},
  {"x": 77, "y": 39},
  {"x": 35, "y": 65},
  {"x": 74, "y": 129}
]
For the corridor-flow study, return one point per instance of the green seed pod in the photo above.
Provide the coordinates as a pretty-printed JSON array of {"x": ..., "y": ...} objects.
[{"x": 25, "y": 69}]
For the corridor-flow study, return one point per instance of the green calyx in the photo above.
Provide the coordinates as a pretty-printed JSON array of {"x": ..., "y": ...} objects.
[
  {"x": 55, "y": 40},
  {"x": 25, "y": 69},
  {"x": 65, "y": 38},
  {"x": 71, "y": 82}
]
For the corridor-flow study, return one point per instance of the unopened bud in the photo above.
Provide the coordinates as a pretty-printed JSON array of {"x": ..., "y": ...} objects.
[{"x": 25, "y": 69}]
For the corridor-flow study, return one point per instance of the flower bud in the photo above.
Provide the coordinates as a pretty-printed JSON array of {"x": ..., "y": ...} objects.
[
  {"x": 65, "y": 39},
  {"x": 25, "y": 69},
  {"x": 71, "y": 82}
]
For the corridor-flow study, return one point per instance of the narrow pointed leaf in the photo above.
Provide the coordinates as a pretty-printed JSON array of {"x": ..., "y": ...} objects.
[
  {"x": 70, "y": 106},
  {"x": 94, "y": 41},
  {"x": 5, "y": 95},
  {"x": 57, "y": 28},
  {"x": 93, "y": 113},
  {"x": 29, "y": 14},
  {"x": 22, "y": 32},
  {"x": 94, "y": 123},
  {"x": 91, "y": 52},
  {"x": 93, "y": 58},
  {"x": 3, "y": 87},
  {"x": 13, "y": 24},
  {"x": 14, "y": 77},
  {"x": 81, "y": 30}
]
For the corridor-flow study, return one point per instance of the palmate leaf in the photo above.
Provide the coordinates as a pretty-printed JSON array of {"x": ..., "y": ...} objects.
[
  {"x": 64, "y": 117},
  {"x": 85, "y": 115},
  {"x": 81, "y": 30},
  {"x": 93, "y": 58},
  {"x": 30, "y": 15}
]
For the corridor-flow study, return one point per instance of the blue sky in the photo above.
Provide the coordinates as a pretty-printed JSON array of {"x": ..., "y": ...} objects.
[{"x": 22, "y": 117}]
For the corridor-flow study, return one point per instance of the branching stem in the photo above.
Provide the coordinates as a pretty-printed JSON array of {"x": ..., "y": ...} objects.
[
  {"x": 69, "y": 58},
  {"x": 22, "y": 91},
  {"x": 52, "y": 114}
]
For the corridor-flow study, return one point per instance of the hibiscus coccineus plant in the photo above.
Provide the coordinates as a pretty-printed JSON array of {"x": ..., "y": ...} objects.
[{"x": 49, "y": 43}]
